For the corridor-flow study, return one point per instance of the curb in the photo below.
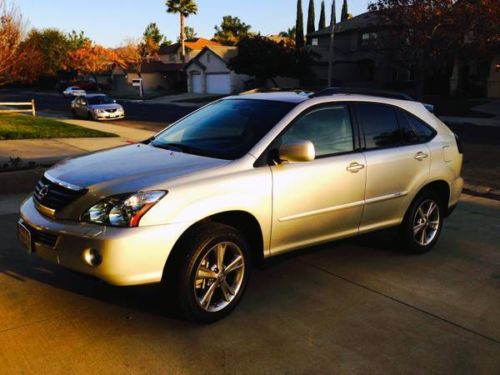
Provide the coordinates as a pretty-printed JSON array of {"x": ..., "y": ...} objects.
[{"x": 20, "y": 181}]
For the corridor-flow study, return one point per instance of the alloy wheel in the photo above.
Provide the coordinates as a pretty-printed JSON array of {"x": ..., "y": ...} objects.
[
  {"x": 426, "y": 222},
  {"x": 219, "y": 276}
]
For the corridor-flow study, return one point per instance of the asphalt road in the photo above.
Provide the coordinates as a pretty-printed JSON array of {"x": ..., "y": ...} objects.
[
  {"x": 136, "y": 111},
  {"x": 356, "y": 306}
]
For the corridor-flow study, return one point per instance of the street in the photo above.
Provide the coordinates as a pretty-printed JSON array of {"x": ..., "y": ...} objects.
[
  {"x": 137, "y": 111},
  {"x": 358, "y": 305}
]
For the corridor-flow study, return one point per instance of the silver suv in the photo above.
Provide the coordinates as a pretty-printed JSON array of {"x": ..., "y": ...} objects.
[{"x": 240, "y": 180}]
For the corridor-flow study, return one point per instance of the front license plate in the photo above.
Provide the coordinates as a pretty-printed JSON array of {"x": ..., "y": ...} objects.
[{"x": 24, "y": 236}]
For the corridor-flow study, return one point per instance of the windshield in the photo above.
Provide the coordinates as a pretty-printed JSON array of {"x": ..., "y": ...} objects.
[
  {"x": 227, "y": 129},
  {"x": 100, "y": 100}
]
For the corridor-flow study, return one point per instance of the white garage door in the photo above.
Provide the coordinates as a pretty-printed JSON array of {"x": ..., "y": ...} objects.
[
  {"x": 196, "y": 84},
  {"x": 218, "y": 84}
]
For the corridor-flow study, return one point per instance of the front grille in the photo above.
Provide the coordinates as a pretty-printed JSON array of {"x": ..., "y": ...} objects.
[
  {"x": 55, "y": 196},
  {"x": 43, "y": 238},
  {"x": 111, "y": 110}
]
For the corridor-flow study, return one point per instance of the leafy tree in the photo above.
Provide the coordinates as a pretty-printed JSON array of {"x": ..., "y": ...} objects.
[
  {"x": 135, "y": 53},
  {"x": 11, "y": 31},
  {"x": 91, "y": 59},
  {"x": 184, "y": 8},
  {"x": 231, "y": 30},
  {"x": 322, "y": 17},
  {"x": 265, "y": 59},
  {"x": 53, "y": 45},
  {"x": 299, "y": 27},
  {"x": 153, "y": 33},
  {"x": 290, "y": 33},
  {"x": 190, "y": 33},
  {"x": 77, "y": 40},
  {"x": 333, "y": 20},
  {"x": 311, "y": 18},
  {"x": 432, "y": 34},
  {"x": 345, "y": 11}
]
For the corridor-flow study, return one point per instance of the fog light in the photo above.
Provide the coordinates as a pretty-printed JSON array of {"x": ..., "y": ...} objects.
[{"x": 92, "y": 257}]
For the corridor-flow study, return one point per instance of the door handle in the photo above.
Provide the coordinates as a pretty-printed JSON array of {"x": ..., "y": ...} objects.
[
  {"x": 355, "y": 167},
  {"x": 421, "y": 156}
]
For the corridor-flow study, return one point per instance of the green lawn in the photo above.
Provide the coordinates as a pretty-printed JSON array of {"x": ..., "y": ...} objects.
[{"x": 17, "y": 126}]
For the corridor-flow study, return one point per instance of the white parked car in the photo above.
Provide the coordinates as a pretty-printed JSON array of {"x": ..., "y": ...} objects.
[
  {"x": 97, "y": 107},
  {"x": 74, "y": 91},
  {"x": 241, "y": 180}
]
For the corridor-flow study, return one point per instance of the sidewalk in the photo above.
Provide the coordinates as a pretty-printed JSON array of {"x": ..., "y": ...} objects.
[
  {"x": 491, "y": 108},
  {"x": 47, "y": 151}
]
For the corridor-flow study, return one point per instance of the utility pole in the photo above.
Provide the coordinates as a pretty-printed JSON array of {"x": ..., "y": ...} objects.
[{"x": 332, "y": 39}]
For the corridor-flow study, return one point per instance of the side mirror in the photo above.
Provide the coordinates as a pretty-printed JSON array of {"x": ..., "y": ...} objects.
[{"x": 299, "y": 151}]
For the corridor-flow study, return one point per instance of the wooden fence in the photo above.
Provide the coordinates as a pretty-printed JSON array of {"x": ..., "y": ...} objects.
[{"x": 19, "y": 104}]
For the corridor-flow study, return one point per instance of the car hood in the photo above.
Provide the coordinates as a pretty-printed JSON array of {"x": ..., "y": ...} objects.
[
  {"x": 135, "y": 166},
  {"x": 105, "y": 106}
]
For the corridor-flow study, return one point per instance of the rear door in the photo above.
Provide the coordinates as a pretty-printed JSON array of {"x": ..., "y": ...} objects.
[{"x": 396, "y": 168}]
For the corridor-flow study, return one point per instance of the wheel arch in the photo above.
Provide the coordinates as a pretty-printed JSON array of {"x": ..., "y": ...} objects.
[
  {"x": 243, "y": 221},
  {"x": 441, "y": 188}
]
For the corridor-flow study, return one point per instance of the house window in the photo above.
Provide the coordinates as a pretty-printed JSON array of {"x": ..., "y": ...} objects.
[
  {"x": 404, "y": 73},
  {"x": 172, "y": 58},
  {"x": 368, "y": 39},
  {"x": 315, "y": 42}
]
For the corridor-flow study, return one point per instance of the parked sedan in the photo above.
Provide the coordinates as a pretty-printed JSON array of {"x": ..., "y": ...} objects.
[
  {"x": 97, "y": 107},
  {"x": 74, "y": 91}
]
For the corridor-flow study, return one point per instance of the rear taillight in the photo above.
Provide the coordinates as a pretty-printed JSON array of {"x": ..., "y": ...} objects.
[{"x": 460, "y": 145}]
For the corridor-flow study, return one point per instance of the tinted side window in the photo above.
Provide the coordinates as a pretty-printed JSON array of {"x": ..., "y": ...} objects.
[
  {"x": 380, "y": 125},
  {"x": 413, "y": 129},
  {"x": 328, "y": 128}
]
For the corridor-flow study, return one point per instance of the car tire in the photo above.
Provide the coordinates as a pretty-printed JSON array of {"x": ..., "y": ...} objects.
[
  {"x": 423, "y": 223},
  {"x": 210, "y": 287},
  {"x": 90, "y": 116}
]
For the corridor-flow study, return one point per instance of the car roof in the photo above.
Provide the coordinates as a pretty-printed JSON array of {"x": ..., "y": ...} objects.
[
  {"x": 282, "y": 96},
  {"x": 94, "y": 95},
  {"x": 363, "y": 91}
]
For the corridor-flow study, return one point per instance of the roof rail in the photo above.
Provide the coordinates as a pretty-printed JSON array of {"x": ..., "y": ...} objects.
[{"x": 362, "y": 91}]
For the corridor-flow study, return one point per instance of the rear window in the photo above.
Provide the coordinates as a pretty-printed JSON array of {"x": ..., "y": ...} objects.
[
  {"x": 380, "y": 125},
  {"x": 413, "y": 129}
]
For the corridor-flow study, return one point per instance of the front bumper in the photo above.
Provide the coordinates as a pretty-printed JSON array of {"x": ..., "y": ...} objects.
[
  {"x": 130, "y": 256},
  {"x": 109, "y": 116}
]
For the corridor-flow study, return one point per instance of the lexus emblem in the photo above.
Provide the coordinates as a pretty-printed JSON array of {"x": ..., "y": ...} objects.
[{"x": 42, "y": 193}]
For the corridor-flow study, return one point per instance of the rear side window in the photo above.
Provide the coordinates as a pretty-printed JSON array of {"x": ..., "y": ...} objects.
[
  {"x": 413, "y": 129},
  {"x": 328, "y": 128},
  {"x": 380, "y": 125}
]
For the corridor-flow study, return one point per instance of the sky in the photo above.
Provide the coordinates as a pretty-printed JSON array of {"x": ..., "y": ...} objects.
[{"x": 110, "y": 22}]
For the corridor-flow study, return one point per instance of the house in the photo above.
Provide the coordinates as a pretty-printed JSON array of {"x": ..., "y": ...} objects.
[
  {"x": 155, "y": 76},
  {"x": 362, "y": 54},
  {"x": 208, "y": 72},
  {"x": 172, "y": 54},
  {"x": 366, "y": 54}
]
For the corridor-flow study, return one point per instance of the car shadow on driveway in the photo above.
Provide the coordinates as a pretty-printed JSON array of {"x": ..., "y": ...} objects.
[{"x": 151, "y": 299}]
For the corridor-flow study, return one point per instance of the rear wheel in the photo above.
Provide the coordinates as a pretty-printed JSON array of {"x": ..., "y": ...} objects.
[
  {"x": 423, "y": 223},
  {"x": 214, "y": 272}
]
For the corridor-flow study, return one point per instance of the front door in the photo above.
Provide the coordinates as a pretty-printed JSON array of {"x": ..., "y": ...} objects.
[{"x": 323, "y": 199}]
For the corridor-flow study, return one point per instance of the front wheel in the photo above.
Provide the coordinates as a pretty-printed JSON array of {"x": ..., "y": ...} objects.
[
  {"x": 423, "y": 223},
  {"x": 213, "y": 273}
]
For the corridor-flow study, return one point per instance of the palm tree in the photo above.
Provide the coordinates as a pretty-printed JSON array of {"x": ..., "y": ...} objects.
[{"x": 184, "y": 8}]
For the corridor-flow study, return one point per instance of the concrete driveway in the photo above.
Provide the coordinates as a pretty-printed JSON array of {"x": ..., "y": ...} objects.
[{"x": 353, "y": 306}]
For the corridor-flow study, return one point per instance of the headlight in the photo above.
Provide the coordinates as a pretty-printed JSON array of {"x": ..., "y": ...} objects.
[
  {"x": 124, "y": 210},
  {"x": 99, "y": 111}
]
